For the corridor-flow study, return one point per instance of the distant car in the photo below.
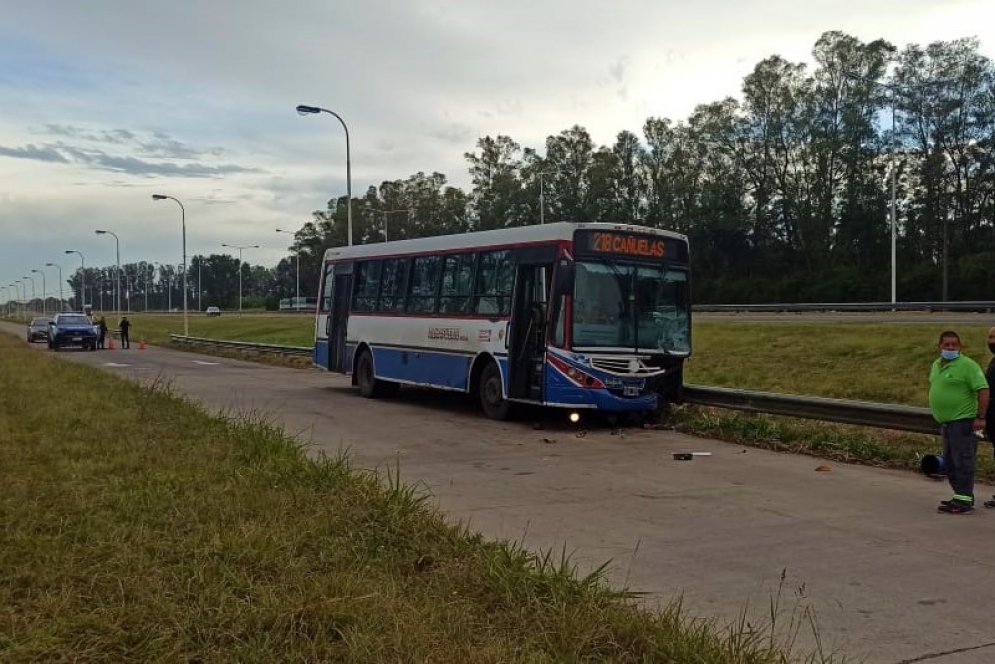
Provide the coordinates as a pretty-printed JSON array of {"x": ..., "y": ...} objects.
[
  {"x": 69, "y": 330},
  {"x": 213, "y": 311},
  {"x": 38, "y": 329}
]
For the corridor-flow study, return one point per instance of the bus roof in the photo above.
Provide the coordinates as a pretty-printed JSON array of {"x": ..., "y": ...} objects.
[{"x": 563, "y": 230}]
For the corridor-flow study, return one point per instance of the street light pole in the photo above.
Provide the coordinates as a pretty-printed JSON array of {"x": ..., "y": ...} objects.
[
  {"x": 311, "y": 110},
  {"x": 44, "y": 291},
  {"x": 240, "y": 248},
  {"x": 297, "y": 300},
  {"x": 59, "y": 268},
  {"x": 183, "y": 220},
  {"x": 542, "y": 201},
  {"x": 32, "y": 302},
  {"x": 117, "y": 273},
  {"x": 82, "y": 276}
]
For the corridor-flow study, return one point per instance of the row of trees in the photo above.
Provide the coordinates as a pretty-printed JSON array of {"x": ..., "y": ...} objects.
[{"x": 785, "y": 192}]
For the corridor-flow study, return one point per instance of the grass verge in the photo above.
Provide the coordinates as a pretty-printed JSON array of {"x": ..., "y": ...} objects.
[{"x": 138, "y": 528}]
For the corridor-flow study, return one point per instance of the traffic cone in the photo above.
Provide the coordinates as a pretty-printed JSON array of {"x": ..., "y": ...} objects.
[
  {"x": 110, "y": 343},
  {"x": 141, "y": 344}
]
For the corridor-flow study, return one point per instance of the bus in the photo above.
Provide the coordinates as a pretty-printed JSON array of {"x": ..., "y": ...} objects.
[{"x": 567, "y": 315}]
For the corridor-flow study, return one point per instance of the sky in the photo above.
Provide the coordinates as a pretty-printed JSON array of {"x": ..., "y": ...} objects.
[{"x": 105, "y": 102}]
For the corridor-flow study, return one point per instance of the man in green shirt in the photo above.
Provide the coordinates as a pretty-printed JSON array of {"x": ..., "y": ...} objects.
[{"x": 958, "y": 399}]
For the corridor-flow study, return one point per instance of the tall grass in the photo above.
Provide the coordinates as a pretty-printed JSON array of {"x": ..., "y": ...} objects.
[{"x": 137, "y": 528}]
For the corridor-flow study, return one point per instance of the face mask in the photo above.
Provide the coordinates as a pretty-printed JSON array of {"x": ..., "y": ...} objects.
[
  {"x": 949, "y": 354},
  {"x": 991, "y": 347}
]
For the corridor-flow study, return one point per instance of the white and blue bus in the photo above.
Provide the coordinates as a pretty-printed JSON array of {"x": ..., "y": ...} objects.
[{"x": 575, "y": 316}]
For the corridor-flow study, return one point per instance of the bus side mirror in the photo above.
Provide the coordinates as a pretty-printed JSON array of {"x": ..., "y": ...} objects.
[{"x": 565, "y": 278}]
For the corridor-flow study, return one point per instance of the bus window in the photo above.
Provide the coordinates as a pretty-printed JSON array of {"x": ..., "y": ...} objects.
[
  {"x": 457, "y": 284},
  {"x": 425, "y": 272},
  {"x": 367, "y": 286},
  {"x": 495, "y": 279},
  {"x": 394, "y": 276},
  {"x": 326, "y": 289}
]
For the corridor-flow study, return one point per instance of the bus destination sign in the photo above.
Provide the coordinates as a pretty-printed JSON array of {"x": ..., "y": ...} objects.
[{"x": 629, "y": 244}]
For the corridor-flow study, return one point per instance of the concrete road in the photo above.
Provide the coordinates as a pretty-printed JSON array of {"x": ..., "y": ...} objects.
[{"x": 889, "y": 578}]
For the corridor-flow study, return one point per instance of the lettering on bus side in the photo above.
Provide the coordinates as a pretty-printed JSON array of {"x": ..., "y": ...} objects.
[
  {"x": 446, "y": 334},
  {"x": 630, "y": 245}
]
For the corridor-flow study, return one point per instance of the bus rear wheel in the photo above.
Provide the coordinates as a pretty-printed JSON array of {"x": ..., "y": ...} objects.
[{"x": 492, "y": 400}]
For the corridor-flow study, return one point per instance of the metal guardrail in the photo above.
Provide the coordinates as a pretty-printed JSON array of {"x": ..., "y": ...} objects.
[
  {"x": 974, "y": 305},
  {"x": 243, "y": 345},
  {"x": 842, "y": 411}
]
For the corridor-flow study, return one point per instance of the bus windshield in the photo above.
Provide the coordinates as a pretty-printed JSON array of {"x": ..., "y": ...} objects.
[{"x": 628, "y": 306}]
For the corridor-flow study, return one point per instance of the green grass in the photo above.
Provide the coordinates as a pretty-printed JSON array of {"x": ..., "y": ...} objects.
[
  {"x": 887, "y": 363},
  {"x": 138, "y": 528},
  {"x": 286, "y": 329}
]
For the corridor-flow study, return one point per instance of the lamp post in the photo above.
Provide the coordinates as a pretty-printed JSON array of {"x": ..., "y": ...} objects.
[
  {"x": 59, "y": 268},
  {"x": 895, "y": 90},
  {"x": 82, "y": 276},
  {"x": 117, "y": 273},
  {"x": 32, "y": 289},
  {"x": 183, "y": 220},
  {"x": 240, "y": 248},
  {"x": 298, "y": 251},
  {"x": 44, "y": 291},
  {"x": 387, "y": 212},
  {"x": 312, "y": 110},
  {"x": 542, "y": 200}
]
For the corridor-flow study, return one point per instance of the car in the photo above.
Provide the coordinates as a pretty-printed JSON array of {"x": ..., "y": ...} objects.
[
  {"x": 72, "y": 329},
  {"x": 38, "y": 329},
  {"x": 213, "y": 311}
]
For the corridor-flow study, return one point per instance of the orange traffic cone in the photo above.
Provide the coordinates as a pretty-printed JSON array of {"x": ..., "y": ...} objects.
[
  {"x": 141, "y": 344},
  {"x": 110, "y": 343}
]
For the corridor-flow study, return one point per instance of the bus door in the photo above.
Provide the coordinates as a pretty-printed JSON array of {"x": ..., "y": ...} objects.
[
  {"x": 338, "y": 319},
  {"x": 529, "y": 321}
]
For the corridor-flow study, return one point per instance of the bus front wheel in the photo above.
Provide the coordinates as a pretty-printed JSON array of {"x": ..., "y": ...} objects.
[
  {"x": 369, "y": 386},
  {"x": 492, "y": 400}
]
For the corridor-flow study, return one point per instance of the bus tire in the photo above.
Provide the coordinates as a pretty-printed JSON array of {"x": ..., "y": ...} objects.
[
  {"x": 491, "y": 394},
  {"x": 365, "y": 377}
]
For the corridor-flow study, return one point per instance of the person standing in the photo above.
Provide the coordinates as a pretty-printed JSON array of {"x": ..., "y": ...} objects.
[
  {"x": 102, "y": 326},
  {"x": 126, "y": 328},
  {"x": 990, "y": 419},
  {"x": 958, "y": 400}
]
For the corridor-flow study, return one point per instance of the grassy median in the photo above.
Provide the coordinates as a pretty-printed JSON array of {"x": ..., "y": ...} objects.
[{"x": 137, "y": 528}]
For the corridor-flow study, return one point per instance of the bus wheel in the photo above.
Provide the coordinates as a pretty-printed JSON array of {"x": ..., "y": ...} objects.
[
  {"x": 365, "y": 377},
  {"x": 492, "y": 399}
]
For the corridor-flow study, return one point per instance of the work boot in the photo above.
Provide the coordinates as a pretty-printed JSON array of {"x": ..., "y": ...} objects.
[{"x": 956, "y": 507}]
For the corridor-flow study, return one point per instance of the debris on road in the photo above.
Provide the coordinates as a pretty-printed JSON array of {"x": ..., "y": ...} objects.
[{"x": 823, "y": 469}]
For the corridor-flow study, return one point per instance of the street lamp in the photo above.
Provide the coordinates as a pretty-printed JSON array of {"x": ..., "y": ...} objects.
[
  {"x": 312, "y": 110},
  {"x": 32, "y": 289},
  {"x": 240, "y": 248},
  {"x": 44, "y": 291},
  {"x": 59, "y": 268},
  {"x": 542, "y": 200},
  {"x": 82, "y": 262},
  {"x": 894, "y": 90},
  {"x": 183, "y": 220},
  {"x": 387, "y": 212},
  {"x": 117, "y": 279},
  {"x": 298, "y": 248}
]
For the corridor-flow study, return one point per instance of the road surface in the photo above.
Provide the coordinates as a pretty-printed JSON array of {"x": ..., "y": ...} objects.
[{"x": 889, "y": 578}]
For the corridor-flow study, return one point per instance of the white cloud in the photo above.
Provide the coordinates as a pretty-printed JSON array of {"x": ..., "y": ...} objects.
[{"x": 102, "y": 103}]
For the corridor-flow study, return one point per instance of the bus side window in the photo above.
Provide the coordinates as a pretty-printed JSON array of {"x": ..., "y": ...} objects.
[
  {"x": 394, "y": 276},
  {"x": 367, "y": 286},
  {"x": 495, "y": 280},
  {"x": 327, "y": 288},
  {"x": 424, "y": 284},
  {"x": 457, "y": 284}
]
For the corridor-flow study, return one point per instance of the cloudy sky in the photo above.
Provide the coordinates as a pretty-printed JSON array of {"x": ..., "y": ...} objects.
[{"x": 103, "y": 102}]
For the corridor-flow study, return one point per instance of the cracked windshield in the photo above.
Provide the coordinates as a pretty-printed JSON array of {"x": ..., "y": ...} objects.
[{"x": 630, "y": 306}]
